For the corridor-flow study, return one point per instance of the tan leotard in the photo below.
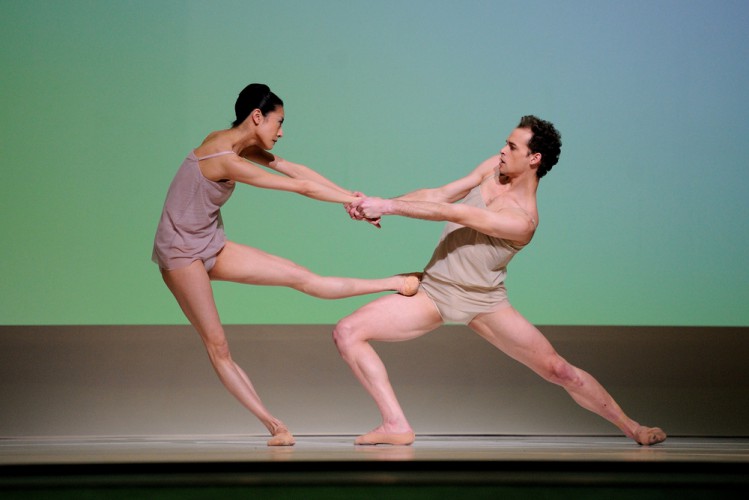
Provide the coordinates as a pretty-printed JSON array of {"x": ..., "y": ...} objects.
[
  {"x": 190, "y": 227},
  {"x": 466, "y": 274}
]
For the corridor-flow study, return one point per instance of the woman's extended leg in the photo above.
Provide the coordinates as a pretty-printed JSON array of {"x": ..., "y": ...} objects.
[
  {"x": 243, "y": 264},
  {"x": 192, "y": 289}
]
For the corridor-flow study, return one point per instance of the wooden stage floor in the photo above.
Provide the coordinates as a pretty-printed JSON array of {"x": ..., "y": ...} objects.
[
  {"x": 436, "y": 448},
  {"x": 326, "y": 466}
]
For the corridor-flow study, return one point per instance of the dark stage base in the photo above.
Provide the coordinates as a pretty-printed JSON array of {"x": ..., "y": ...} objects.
[{"x": 437, "y": 466}]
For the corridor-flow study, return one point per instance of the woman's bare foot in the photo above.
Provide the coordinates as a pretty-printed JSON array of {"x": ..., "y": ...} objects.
[
  {"x": 281, "y": 436},
  {"x": 410, "y": 284},
  {"x": 647, "y": 436}
]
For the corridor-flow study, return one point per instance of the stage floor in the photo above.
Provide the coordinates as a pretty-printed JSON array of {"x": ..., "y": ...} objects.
[
  {"x": 436, "y": 448},
  {"x": 436, "y": 466}
]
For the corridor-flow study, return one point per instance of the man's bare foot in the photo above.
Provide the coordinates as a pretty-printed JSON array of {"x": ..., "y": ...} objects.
[
  {"x": 647, "y": 436},
  {"x": 378, "y": 436},
  {"x": 410, "y": 284},
  {"x": 281, "y": 436}
]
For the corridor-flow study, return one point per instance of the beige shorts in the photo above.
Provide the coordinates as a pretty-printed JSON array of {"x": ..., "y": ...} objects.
[{"x": 458, "y": 303}]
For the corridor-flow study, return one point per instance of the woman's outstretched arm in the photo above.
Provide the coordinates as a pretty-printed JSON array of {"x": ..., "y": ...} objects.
[
  {"x": 238, "y": 169},
  {"x": 288, "y": 168}
]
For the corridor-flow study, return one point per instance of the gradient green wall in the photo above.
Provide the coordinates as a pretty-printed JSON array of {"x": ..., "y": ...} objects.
[{"x": 643, "y": 222}]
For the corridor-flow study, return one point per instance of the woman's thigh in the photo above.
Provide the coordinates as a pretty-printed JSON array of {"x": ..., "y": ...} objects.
[
  {"x": 191, "y": 287},
  {"x": 251, "y": 266}
]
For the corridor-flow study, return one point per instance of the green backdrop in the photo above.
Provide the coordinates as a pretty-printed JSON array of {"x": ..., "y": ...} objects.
[{"x": 644, "y": 220}]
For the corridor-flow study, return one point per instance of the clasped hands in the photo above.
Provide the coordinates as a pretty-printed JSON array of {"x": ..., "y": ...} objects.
[{"x": 368, "y": 208}]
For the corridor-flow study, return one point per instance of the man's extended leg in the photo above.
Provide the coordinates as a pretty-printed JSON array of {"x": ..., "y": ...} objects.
[
  {"x": 390, "y": 318},
  {"x": 506, "y": 329}
]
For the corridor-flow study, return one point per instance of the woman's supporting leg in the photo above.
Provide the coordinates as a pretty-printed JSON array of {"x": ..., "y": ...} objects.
[{"x": 192, "y": 288}]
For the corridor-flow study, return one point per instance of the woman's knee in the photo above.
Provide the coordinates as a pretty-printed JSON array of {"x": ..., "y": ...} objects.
[{"x": 218, "y": 350}]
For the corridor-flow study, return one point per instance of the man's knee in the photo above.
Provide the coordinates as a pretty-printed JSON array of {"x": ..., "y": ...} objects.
[
  {"x": 561, "y": 372},
  {"x": 344, "y": 334}
]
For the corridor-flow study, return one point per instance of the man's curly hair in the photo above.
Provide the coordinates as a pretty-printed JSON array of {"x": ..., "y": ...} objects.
[{"x": 546, "y": 140}]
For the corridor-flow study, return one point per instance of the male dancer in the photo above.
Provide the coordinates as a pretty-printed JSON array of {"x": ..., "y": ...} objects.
[{"x": 464, "y": 281}]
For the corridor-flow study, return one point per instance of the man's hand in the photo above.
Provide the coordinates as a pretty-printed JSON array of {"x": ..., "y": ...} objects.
[
  {"x": 353, "y": 211},
  {"x": 371, "y": 207}
]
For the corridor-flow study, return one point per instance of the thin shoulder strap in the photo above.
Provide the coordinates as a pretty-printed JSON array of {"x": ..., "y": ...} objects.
[{"x": 213, "y": 155}]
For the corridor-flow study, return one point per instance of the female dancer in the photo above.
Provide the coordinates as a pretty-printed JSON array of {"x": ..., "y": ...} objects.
[{"x": 191, "y": 249}]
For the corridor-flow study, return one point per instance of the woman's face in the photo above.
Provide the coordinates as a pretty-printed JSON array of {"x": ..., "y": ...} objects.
[{"x": 270, "y": 129}]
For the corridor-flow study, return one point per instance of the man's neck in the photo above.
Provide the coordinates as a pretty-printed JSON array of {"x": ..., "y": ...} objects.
[{"x": 522, "y": 184}]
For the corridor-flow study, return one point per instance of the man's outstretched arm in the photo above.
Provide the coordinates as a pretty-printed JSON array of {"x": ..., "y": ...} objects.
[{"x": 508, "y": 223}]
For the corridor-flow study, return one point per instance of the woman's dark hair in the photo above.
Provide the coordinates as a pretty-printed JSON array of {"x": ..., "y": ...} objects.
[
  {"x": 546, "y": 140},
  {"x": 255, "y": 96}
]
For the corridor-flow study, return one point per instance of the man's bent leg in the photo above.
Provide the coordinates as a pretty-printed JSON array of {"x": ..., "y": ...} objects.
[{"x": 390, "y": 318}]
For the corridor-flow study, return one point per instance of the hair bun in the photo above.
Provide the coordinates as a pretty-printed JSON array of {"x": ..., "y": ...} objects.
[{"x": 255, "y": 96}]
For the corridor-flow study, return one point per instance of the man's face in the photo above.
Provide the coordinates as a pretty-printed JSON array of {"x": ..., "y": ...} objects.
[{"x": 515, "y": 157}]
